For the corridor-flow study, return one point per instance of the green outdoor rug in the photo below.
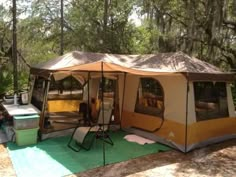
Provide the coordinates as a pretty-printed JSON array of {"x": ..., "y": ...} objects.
[{"x": 53, "y": 158}]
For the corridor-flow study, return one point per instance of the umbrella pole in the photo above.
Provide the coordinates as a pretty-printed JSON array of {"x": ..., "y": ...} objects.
[
  {"x": 123, "y": 97},
  {"x": 88, "y": 103},
  {"x": 102, "y": 98}
]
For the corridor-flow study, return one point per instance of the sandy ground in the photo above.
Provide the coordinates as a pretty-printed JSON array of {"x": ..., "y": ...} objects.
[
  {"x": 212, "y": 161},
  {"x": 6, "y": 168},
  {"x": 216, "y": 160}
]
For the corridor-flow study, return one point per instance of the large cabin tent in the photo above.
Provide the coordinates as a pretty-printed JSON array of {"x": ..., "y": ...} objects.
[{"x": 172, "y": 98}]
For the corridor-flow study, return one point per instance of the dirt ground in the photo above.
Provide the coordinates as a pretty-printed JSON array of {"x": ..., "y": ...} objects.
[
  {"x": 216, "y": 160},
  {"x": 6, "y": 168}
]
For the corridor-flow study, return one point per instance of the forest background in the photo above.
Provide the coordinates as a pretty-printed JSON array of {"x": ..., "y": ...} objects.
[{"x": 205, "y": 29}]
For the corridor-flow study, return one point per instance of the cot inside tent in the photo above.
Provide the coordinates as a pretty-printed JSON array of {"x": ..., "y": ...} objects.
[{"x": 172, "y": 98}]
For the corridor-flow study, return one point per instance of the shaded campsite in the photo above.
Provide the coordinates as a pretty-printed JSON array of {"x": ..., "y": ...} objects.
[
  {"x": 59, "y": 160},
  {"x": 170, "y": 98},
  {"x": 117, "y": 88}
]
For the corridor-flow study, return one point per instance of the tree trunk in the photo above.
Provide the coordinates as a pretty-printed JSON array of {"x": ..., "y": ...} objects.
[
  {"x": 14, "y": 47},
  {"x": 62, "y": 26}
]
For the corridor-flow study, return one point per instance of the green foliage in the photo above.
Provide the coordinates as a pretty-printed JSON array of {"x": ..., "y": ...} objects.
[
  {"x": 6, "y": 80},
  {"x": 141, "y": 40},
  {"x": 205, "y": 29},
  {"x": 87, "y": 21}
]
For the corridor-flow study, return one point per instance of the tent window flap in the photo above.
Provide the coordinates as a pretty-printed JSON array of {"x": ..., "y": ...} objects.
[
  {"x": 150, "y": 98},
  {"x": 38, "y": 92},
  {"x": 66, "y": 88},
  {"x": 210, "y": 100}
]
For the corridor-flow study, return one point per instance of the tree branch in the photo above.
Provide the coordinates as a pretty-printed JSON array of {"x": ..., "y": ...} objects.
[
  {"x": 230, "y": 24},
  {"x": 173, "y": 17}
]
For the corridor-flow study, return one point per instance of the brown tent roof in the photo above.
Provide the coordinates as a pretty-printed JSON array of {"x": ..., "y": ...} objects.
[{"x": 151, "y": 64}]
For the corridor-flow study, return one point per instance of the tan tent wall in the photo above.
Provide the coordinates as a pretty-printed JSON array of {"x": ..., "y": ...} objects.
[
  {"x": 174, "y": 87},
  {"x": 131, "y": 87},
  {"x": 191, "y": 105},
  {"x": 205, "y": 131},
  {"x": 93, "y": 88},
  {"x": 173, "y": 128},
  {"x": 170, "y": 131},
  {"x": 230, "y": 102}
]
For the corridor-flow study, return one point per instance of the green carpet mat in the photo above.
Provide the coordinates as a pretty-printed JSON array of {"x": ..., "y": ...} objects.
[{"x": 53, "y": 158}]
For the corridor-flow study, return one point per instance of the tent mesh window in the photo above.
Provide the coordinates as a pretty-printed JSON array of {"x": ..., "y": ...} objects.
[
  {"x": 67, "y": 88},
  {"x": 109, "y": 88},
  {"x": 210, "y": 100},
  {"x": 110, "y": 93},
  {"x": 150, "y": 97},
  {"x": 38, "y": 92}
]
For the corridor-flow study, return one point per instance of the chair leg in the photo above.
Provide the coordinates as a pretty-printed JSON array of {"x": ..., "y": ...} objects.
[
  {"x": 69, "y": 143},
  {"x": 98, "y": 135},
  {"x": 109, "y": 141},
  {"x": 90, "y": 144},
  {"x": 72, "y": 148},
  {"x": 81, "y": 145},
  {"x": 104, "y": 136}
]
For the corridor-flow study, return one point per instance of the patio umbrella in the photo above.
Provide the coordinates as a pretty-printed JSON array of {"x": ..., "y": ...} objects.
[{"x": 102, "y": 98}]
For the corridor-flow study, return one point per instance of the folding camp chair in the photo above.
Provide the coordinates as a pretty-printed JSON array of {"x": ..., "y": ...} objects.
[{"x": 82, "y": 136}]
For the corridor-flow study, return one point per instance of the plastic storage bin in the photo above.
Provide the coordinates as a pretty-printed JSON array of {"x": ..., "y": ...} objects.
[
  {"x": 26, "y": 137},
  {"x": 9, "y": 132},
  {"x": 26, "y": 122}
]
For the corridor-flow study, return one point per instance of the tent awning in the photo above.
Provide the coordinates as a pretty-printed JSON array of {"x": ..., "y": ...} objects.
[
  {"x": 108, "y": 67},
  {"x": 114, "y": 68}
]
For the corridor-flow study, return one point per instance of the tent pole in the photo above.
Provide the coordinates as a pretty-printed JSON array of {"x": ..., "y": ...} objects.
[
  {"x": 42, "y": 117},
  {"x": 88, "y": 111},
  {"x": 186, "y": 116},
  {"x": 122, "y": 107},
  {"x": 102, "y": 98},
  {"x": 71, "y": 83}
]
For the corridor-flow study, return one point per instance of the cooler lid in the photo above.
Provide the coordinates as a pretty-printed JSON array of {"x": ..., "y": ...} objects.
[{"x": 33, "y": 116}]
